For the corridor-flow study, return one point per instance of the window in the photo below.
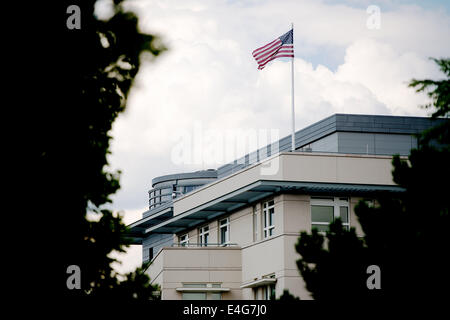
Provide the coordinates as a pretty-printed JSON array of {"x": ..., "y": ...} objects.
[
  {"x": 166, "y": 194},
  {"x": 269, "y": 292},
  {"x": 224, "y": 231},
  {"x": 255, "y": 293},
  {"x": 151, "y": 195},
  {"x": 150, "y": 254},
  {"x": 166, "y": 198},
  {"x": 255, "y": 224},
  {"x": 194, "y": 295},
  {"x": 202, "y": 295},
  {"x": 215, "y": 296},
  {"x": 326, "y": 210},
  {"x": 174, "y": 191},
  {"x": 190, "y": 188},
  {"x": 268, "y": 218},
  {"x": 194, "y": 285},
  {"x": 203, "y": 235},
  {"x": 158, "y": 198},
  {"x": 322, "y": 216},
  {"x": 184, "y": 240}
]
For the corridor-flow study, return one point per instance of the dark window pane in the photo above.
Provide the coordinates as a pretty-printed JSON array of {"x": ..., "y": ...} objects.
[
  {"x": 216, "y": 296},
  {"x": 343, "y": 214},
  {"x": 223, "y": 236},
  {"x": 194, "y": 295},
  {"x": 321, "y": 214},
  {"x": 194, "y": 285},
  {"x": 150, "y": 253}
]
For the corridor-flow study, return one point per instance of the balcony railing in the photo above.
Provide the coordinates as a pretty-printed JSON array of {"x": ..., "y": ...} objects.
[{"x": 198, "y": 245}]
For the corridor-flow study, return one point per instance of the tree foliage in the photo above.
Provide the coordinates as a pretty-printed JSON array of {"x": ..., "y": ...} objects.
[
  {"x": 332, "y": 266},
  {"x": 286, "y": 296},
  {"x": 437, "y": 90},
  {"x": 94, "y": 71},
  {"x": 405, "y": 234}
]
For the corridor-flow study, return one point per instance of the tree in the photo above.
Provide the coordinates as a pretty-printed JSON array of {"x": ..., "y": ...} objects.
[
  {"x": 333, "y": 266},
  {"x": 405, "y": 234},
  {"x": 94, "y": 68},
  {"x": 288, "y": 297}
]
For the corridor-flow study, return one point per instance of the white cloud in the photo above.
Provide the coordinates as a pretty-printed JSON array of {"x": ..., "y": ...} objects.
[
  {"x": 386, "y": 73},
  {"x": 208, "y": 75}
]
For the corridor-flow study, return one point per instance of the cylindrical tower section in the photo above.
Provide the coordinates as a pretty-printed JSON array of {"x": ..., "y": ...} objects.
[{"x": 168, "y": 187}]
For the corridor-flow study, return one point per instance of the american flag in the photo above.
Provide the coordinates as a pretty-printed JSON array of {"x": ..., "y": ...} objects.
[{"x": 280, "y": 47}]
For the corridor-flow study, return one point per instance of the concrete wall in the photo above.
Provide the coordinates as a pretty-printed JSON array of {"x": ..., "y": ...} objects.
[
  {"x": 359, "y": 169},
  {"x": 157, "y": 242},
  {"x": 301, "y": 167},
  {"x": 276, "y": 255},
  {"x": 253, "y": 259},
  {"x": 174, "y": 266}
]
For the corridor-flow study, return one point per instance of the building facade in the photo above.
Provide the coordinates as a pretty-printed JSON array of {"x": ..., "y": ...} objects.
[{"x": 230, "y": 233}]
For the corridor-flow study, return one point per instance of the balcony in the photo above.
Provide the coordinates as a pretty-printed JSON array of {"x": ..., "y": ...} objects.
[{"x": 217, "y": 267}]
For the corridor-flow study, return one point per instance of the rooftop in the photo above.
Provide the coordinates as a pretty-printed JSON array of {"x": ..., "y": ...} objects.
[{"x": 240, "y": 183}]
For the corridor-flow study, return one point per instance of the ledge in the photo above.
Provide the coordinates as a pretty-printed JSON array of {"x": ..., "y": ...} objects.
[
  {"x": 260, "y": 282},
  {"x": 202, "y": 289}
]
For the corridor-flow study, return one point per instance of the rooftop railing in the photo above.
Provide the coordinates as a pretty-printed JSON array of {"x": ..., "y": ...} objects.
[{"x": 198, "y": 245}]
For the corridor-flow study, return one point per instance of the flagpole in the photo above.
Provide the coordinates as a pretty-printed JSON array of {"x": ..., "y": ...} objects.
[{"x": 292, "y": 95}]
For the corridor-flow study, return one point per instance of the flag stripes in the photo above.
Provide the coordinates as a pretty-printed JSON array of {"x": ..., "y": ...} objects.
[{"x": 278, "y": 48}]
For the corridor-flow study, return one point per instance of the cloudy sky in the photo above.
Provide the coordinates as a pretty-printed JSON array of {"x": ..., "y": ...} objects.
[{"x": 346, "y": 61}]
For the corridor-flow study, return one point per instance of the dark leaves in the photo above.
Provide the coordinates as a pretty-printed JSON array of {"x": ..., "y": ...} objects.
[{"x": 71, "y": 142}]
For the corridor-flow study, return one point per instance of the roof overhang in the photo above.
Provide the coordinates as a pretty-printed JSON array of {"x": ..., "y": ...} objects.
[
  {"x": 136, "y": 230},
  {"x": 165, "y": 222}
]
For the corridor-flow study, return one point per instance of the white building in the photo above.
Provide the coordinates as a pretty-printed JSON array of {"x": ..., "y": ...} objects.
[{"x": 230, "y": 233}]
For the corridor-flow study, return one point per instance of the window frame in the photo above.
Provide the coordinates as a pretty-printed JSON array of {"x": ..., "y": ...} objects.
[
  {"x": 268, "y": 291},
  {"x": 255, "y": 224},
  {"x": 268, "y": 230},
  {"x": 183, "y": 242},
  {"x": 208, "y": 295},
  {"x": 201, "y": 236},
  {"x": 185, "y": 295},
  {"x": 336, "y": 203},
  {"x": 226, "y": 225}
]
